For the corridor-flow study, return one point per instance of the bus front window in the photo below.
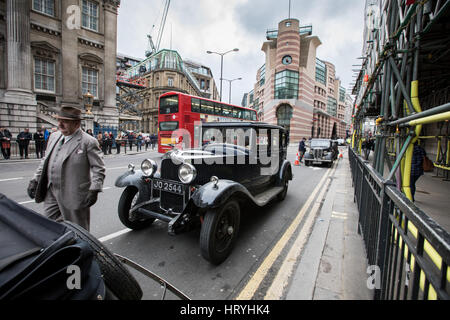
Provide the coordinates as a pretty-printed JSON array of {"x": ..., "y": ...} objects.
[
  {"x": 168, "y": 105},
  {"x": 168, "y": 125}
]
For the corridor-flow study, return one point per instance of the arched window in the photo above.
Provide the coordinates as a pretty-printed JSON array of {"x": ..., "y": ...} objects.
[{"x": 284, "y": 115}]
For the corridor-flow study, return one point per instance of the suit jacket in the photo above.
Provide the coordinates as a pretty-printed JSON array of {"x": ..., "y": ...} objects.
[{"x": 82, "y": 156}]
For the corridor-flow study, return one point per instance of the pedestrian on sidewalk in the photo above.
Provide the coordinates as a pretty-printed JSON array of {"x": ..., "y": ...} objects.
[
  {"x": 302, "y": 149},
  {"x": 46, "y": 136},
  {"x": 147, "y": 142},
  {"x": 71, "y": 175},
  {"x": 139, "y": 141},
  {"x": 5, "y": 140},
  {"x": 130, "y": 138},
  {"x": 23, "y": 139},
  {"x": 111, "y": 142},
  {"x": 416, "y": 167},
  {"x": 39, "y": 142},
  {"x": 153, "y": 140},
  {"x": 119, "y": 142}
]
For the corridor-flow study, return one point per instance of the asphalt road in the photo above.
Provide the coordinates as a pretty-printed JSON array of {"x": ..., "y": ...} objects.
[{"x": 177, "y": 258}]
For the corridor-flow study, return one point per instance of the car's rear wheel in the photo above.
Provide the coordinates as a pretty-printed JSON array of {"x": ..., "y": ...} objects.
[
  {"x": 219, "y": 231},
  {"x": 126, "y": 202},
  {"x": 282, "y": 195}
]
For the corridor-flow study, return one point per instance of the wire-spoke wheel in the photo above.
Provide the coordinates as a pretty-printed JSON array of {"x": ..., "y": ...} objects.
[{"x": 219, "y": 231}]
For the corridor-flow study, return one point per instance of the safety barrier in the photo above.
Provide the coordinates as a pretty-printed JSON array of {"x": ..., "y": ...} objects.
[
  {"x": 410, "y": 251},
  {"x": 125, "y": 146}
]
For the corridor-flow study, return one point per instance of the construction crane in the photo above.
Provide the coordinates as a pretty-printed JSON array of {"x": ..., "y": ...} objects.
[{"x": 151, "y": 48}]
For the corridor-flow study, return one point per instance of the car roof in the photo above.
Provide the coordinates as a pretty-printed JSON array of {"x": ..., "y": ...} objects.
[{"x": 242, "y": 124}]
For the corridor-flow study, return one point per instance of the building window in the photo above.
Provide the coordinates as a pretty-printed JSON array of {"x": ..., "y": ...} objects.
[
  {"x": 284, "y": 115},
  {"x": 44, "y": 6},
  {"x": 341, "y": 94},
  {"x": 332, "y": 106},
  {"x": 286, "y": 85},
  {"x": 44, "y": 75},
  {"x": 90, "y": 15},
  {"x": 321, "y": 71},
  {"x": 90, "y": 81},
  {"x": 170, "y": 82},
  {"x": 262, "y": 75}
]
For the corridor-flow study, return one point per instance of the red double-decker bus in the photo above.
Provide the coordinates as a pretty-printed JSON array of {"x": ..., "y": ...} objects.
[{"x": 181, "y": 111}]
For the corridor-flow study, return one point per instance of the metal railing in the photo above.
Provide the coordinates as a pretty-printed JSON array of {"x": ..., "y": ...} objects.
[
  {"x": 125, "y": 146},
  {"x": 410, "y": 250}
]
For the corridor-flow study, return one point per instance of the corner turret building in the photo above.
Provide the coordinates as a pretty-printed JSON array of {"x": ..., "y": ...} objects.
[{"x": 295, "y": 88}]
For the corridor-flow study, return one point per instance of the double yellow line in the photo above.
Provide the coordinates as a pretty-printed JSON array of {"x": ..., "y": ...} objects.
[{"x": 280, "y": 281}]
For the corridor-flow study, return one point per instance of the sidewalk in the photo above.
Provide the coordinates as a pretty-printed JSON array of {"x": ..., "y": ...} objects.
[{"x": 333, "y": 265}]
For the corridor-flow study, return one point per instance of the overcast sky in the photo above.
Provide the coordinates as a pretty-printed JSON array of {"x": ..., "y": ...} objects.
[{"x": 195, "y": 26}]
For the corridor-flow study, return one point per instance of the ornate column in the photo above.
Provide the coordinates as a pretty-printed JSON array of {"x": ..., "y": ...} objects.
[
  {"x": 19, "y": 79},
  {"x": 110, "y": 10}
]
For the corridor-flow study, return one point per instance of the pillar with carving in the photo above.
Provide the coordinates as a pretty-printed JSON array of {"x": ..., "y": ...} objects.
[{"x": 19, "y": 79}]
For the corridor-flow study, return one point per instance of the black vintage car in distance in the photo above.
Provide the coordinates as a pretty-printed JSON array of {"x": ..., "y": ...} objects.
[
  {"x": 321, "y": 151},
  {"x": 236, "y": 164}
]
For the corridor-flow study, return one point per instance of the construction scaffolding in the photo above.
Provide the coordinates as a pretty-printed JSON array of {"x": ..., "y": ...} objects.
[
  {"x": 404, "y": 82},
  {"x": 130, "y": 95},
  {"x": 404, "y": 87}
]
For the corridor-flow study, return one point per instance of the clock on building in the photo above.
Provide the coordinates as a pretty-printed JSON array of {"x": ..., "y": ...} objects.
[{"x": 287, "y": 60}]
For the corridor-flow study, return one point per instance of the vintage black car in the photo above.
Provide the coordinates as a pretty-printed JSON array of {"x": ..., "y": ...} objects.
[
  {"x": 321, "y": 151},
  {"x": 235, "y": 164}
]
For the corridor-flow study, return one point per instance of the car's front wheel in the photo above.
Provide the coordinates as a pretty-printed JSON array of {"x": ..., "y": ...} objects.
[
  {"x": 219, "y": 231},
  {"x": 126, "y": 202}
]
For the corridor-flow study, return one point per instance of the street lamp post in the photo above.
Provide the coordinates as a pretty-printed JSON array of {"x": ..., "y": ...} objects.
[
  {"x": 229, "y": 82},
  {"x": 221, "y": 54}
]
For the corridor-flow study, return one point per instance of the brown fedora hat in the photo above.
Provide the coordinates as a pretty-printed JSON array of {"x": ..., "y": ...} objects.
[{"x": 69, "y": 113}]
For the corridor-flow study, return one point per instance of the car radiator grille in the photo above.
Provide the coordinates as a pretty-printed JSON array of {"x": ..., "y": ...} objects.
[
  {"x": 318, "y": 153},
  {"x": 172, "y": 201},
  {"x": 169, "y": 170}
]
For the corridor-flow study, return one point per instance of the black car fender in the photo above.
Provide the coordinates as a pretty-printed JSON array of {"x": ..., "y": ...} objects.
[
  {"x": 135, "y": 179},
  {"x": 285, "y": 171},
  {"x": 213, "y": 196}
]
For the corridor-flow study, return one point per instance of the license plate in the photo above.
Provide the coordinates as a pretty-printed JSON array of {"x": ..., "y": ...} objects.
[
  {"x": 168, "y": 186},
  {"x": 317, "y": 162}
]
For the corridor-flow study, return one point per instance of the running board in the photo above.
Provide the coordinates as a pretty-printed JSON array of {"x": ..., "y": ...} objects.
[{"x": 264, "y": 197}]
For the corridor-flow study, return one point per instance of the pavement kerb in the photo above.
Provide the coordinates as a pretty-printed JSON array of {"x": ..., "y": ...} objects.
[{"x": 327, "y": 269}]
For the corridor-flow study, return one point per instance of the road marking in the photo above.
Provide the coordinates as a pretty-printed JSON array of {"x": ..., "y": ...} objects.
[
  {"x": 252, "y": 286},
  {"x": 281, "y": 280},
  {"x": 116, "y": 168},
  {"x": 114, "y": 235},
  {"x": 11, "y": 179}
]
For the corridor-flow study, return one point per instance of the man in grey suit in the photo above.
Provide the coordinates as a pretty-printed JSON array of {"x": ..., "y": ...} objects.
[{"x": 63, "y": 179}]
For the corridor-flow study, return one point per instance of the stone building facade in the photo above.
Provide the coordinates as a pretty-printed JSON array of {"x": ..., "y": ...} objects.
[
  {"x": 51, "y": 53},
  {"x": 166, "y": 71},
  {"x": 294, "y": 88}
]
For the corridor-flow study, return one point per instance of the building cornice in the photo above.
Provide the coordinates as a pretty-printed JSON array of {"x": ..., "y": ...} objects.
[
  {"x": 91, "y": 43},
  {"x": 45, "y": 29}
]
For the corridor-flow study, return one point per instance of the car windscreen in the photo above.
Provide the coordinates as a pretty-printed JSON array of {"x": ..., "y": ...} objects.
[
  {"x": 168, "y": 126},
  {"x": 320, "y": 144},
  {"x": 168, "y": 105}
]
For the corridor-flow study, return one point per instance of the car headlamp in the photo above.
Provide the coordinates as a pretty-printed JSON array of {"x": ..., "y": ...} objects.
[
  {"x": 187, "y": 173},
  {"x": 149, "y": 167}
]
